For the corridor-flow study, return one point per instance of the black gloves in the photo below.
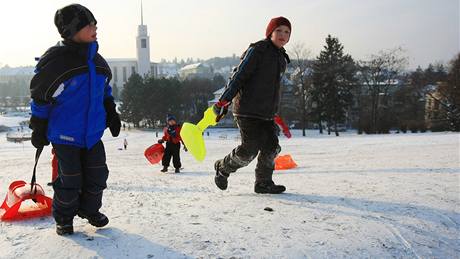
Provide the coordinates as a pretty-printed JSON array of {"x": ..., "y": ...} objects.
[
  {"x": 113, "y": 121},
  {"x": 40, "y": 129},
  {"x": 161, "y": 141}
]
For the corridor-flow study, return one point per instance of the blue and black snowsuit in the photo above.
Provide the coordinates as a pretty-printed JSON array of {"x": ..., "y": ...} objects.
[{"x": 71, "y": 101}]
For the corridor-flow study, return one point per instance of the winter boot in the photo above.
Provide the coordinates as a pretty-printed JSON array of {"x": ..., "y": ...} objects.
[
  {"x": 269, "y": 187},
  {"x": 221, "y": 178},
  {"x": 64, "y": 226},
  {"x": 165, "y": 169},
  {"x": 97, "y": 219},
  {"x": 64, "y": 230},
  {"x": 177, "y": 170}
]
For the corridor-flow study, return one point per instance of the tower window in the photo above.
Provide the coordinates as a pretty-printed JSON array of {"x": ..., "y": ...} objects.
[{"x": 143, "y": 43}]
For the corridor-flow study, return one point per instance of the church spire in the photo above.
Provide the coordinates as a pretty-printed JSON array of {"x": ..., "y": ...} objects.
[
  {"x": 143, "y": 47},
  {"x": 142, "y": 15}
]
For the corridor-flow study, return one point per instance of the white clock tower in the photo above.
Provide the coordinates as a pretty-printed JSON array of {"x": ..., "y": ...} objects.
[{"x": 143, "y": 48}]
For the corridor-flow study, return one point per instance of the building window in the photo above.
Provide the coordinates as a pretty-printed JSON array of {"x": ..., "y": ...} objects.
[
  {"x": 133, "y": 70},
  {"x": 143, "y": 43},
  {"x": 124, "y": 74},
  {"x": 115, "y": 74}
]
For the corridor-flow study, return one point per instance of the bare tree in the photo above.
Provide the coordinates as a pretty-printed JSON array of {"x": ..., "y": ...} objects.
[
  {"x": 377, "y": 74},
  {"x": 301, "y": 77}
]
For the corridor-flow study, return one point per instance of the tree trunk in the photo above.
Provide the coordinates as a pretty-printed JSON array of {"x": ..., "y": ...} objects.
[
  {"x": 335, "y": 128},
  {"x": 320, "y": 125},
  {"x": 373, "y": 115},
  {"x": 304, "y": 114}
]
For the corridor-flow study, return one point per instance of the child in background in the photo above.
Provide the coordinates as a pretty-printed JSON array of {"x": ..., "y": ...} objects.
[{"x": 172, "y": 138}]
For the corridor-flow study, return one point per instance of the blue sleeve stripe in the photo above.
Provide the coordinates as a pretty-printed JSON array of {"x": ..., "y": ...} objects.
[
  {"x": 244, "y": 62},
  {"x": 40, "y": 111}
]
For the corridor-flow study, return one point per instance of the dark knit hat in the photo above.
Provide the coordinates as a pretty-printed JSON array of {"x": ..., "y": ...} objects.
[
  {"x": 275, "y": 23},
  {"x": 170, "y": 117},
  {"x": 72, "y": 18}
]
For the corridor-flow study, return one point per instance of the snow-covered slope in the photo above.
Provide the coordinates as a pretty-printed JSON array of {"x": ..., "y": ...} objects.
[{"x": 377, "y": 196}]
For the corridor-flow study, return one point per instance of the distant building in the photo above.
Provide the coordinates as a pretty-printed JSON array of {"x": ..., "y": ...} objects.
[
  {"x": 123, "y": 68},
  {"x": 166, "y": 70},
  {"x": 435, "y": 114},
  {"x": 199, "y": 70}
]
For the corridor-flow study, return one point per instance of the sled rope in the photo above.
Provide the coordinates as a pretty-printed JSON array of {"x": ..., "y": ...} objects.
[{"x": 32, "y": 182}]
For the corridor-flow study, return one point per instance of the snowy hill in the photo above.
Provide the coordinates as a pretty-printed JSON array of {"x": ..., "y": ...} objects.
[{"x": 376, "y": 196}]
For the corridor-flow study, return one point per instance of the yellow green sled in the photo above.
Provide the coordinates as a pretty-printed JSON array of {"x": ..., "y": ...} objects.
[{"x": 192, "y": 134}]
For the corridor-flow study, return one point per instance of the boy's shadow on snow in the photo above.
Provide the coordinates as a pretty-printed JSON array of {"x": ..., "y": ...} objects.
[
  {"x": 447, "y": 218},
  {"x": 114, "y": 243}
]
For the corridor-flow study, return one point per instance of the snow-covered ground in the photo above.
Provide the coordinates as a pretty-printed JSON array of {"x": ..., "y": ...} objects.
[
  {"x": 13, "y": 119},
  {"x": 379, "y": 196}
]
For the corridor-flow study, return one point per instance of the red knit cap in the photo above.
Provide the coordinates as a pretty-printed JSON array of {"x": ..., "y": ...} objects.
[{"x": 275, "y": 23}]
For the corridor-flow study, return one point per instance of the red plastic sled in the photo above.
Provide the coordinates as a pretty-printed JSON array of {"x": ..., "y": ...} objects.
[
  {"x": 284, "y": 162},
  {"x": 20, "y": 191},
  {"x": 154, "y": 153}
]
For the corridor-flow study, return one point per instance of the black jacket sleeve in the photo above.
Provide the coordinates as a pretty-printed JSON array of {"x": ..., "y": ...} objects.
[{"x": 241, "y": 73}]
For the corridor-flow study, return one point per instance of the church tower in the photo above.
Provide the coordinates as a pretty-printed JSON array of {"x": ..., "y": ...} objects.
[{"x": 143, "y": 48}]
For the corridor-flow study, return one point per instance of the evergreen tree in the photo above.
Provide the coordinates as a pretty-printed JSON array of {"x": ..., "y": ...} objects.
[
  {"x": 333, "y": 81},
  {"x": 132, "y": 100},
  {"x": 161, "y": 97}
]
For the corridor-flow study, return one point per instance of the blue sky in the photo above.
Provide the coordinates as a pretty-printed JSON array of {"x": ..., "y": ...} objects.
[{"x": 427, "y": 29}]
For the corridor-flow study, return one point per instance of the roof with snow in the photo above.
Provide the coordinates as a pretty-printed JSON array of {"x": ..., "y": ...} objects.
[
  {"x": 121, "y": 60},
  {"x": 193, "y": 66}
]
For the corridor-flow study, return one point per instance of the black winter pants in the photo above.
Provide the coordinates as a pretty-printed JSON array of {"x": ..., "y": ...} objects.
[
  {"x": 171, "y": 150},
  {"x": 82, "y": 176},
  {"x": 258, "y": 137}
]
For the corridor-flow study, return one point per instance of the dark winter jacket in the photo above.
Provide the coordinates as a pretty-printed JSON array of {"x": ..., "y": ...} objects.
[
  {"x": 254, "y": 85},
  {"x": 172, "y": 134},
  {"x": 69, "y": 89}
]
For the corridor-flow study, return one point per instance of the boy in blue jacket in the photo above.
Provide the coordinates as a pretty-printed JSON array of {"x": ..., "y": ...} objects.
[{"x": 72, "y": 105}]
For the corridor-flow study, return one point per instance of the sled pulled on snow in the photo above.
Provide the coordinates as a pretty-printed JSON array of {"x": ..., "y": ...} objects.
[
  {"x": 284, "y": 162},
  {"x": 20, "y": 191},
  {"x": 154, "y": 153},
  {"x": 192, "y": 134}
]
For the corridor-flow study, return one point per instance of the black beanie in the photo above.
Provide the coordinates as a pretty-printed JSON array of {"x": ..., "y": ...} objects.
[{"x": 72, "y": 18}]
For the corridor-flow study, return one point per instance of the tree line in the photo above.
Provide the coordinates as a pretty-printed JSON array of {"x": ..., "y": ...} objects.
[
  {"x": 145, "y": 102},
  {"x": 375, "y": 95},
  {"x": 330, "y": 92}
]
